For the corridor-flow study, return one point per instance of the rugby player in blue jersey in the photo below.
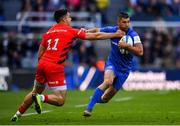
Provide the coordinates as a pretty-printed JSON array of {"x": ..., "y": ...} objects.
[{"x": 118, "y": 64}]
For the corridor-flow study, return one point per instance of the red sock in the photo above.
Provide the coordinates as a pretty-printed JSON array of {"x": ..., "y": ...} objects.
[
  {"x": 45, "y": 98},
  {"x": 21, "y": 109}
]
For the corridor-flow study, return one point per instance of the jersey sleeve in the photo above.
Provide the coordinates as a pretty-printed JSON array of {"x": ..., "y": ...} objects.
[
  {"x": 136, "y": 38},
  {"x": 108, "y": 29},
  {"x": 79, "y": 33}
]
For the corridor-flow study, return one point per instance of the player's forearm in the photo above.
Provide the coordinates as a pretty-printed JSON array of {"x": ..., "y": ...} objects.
[
  {"x": 101, "y": 35},
  {"x": 138, "y": 51},
  {"x": 93, "y": 30}
]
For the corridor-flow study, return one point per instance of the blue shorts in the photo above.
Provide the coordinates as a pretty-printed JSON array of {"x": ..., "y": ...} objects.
[{"x": 120, "y": 76}]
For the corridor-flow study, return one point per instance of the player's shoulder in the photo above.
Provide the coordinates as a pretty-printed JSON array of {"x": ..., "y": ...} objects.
[
  {"x": 62, "y": 29},
  {"x": 115, "y": 28},
  {"x": 134, "y": 35},
  {"x": 131, "y": 32},
  {"x": 109, "y": 28}
]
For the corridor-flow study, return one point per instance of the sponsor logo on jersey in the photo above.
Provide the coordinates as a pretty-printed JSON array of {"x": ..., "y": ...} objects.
[
  {"x": 137, "y": 39},
  {"x": 61, "y": 30}
]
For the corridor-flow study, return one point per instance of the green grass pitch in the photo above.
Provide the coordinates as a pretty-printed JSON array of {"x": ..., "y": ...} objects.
[{"x": 129, "y": 108}]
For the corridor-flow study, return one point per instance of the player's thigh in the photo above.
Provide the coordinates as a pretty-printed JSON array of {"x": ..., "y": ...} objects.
[
  {"x": 55, "y": 75},
  {"x": 39, "y": 82},
  {"x": 61, "y": 94},
  {"x": 40, "y": 78},
  {"x": 38, "y": 89},
  {"x": 120, "y": 80},
  {"x": 109, "y": 75},
  {"x": 108, "y": 79}
]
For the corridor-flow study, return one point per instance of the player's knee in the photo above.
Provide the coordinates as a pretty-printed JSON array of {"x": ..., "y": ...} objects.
[
  {"x": 108, "y": 82},
  {"x": 60, "y": 102},
  {"x": 105, "y": 100}
]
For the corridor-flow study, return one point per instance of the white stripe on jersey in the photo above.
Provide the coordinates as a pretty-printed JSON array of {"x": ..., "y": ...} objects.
[
  {"x": 136, "y": 39},
  {"x": 114, "y": 43},
  {"x": 79, "y": 31}
]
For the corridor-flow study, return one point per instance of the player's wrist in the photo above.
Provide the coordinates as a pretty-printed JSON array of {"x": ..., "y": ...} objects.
[
  {"x": 127, "y": 46},
  {"x": 117, "y": 35}
]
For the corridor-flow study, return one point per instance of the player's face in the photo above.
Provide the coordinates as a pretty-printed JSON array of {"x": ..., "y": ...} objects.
[
  {"x": 68, "y": 19},
  {"x": 124, "y": 23}
]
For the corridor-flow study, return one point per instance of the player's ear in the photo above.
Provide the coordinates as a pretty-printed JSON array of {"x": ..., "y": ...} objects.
[
  {"x": 64, "y": 19},
  {"x": 118, "y": 21}
]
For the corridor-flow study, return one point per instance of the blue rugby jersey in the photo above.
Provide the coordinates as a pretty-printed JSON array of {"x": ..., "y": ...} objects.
[{"x": 122, "y": 62}]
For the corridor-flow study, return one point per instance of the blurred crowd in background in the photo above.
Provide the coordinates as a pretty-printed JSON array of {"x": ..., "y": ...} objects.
[
  {"x": 161, "y": 44},
  {"x": 153, "y": 7}
]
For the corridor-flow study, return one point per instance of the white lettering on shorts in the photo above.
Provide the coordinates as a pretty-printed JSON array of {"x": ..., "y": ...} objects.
[
  {"x": 109, "y": 67},
  {"x": 53, "y": 82}
]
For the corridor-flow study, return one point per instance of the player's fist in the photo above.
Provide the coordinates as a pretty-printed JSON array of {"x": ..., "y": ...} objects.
[
  {"x": 84, "y": 30},
  {"x": 123, "y": 45},
  {"x": 120, "y": 33}
]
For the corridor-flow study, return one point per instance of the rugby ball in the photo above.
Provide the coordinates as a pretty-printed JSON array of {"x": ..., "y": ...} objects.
[{"x": 128, "y": 40}]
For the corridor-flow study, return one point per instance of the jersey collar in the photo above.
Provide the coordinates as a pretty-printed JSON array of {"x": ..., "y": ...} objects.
[
  {"x": 129, "y": 30},
  {"x": 61, "y": 25}
]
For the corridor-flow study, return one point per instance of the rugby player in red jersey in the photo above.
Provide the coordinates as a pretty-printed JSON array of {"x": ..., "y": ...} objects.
[{"x": 53, "y": 50}]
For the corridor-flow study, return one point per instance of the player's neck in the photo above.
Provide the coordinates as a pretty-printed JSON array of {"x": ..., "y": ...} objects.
[
  {"x": 62, "y": 22},
  {"x": 124, "y": 30}
]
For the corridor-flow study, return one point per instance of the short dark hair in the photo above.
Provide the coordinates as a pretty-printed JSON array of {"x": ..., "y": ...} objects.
[
  {"x": 58, "y": 14},
  {"x": 123, "y": 15}
]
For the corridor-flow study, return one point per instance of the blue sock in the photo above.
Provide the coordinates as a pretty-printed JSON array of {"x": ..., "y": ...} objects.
[{"x": 95, "y": 98}]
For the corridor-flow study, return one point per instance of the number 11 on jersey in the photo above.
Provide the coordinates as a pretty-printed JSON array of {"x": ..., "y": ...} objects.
[{"x": 52, "y": 47}]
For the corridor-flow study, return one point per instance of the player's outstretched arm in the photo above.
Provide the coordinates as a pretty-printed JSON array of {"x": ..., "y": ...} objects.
[
  {"x": 103, "y": 35},
  {"x": 93, "y": 30},
  {"x": 137, "y": 49}
]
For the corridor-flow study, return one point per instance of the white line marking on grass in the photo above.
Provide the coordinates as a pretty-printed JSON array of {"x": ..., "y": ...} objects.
[
  {"x": 72, "y": 112},
  {"x": 117, "y": 100},
  {"x": 81, "y": 105},
  {"x": 123, "y": 99},
  {"x": 34, "y": 113}
]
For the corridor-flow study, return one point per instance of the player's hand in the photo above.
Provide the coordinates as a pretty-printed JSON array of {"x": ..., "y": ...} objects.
[
  {"x": 84, "y": 30},
  {"x": 119, "y": 33},
  {"x": 123, "y": 45}
]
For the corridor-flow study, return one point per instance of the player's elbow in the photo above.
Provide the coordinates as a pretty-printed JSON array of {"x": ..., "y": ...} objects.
[
  {"x": 94, "y": 30},
  {"x": 140, "y": 53},
  {"x": 60, "y": 102}
]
